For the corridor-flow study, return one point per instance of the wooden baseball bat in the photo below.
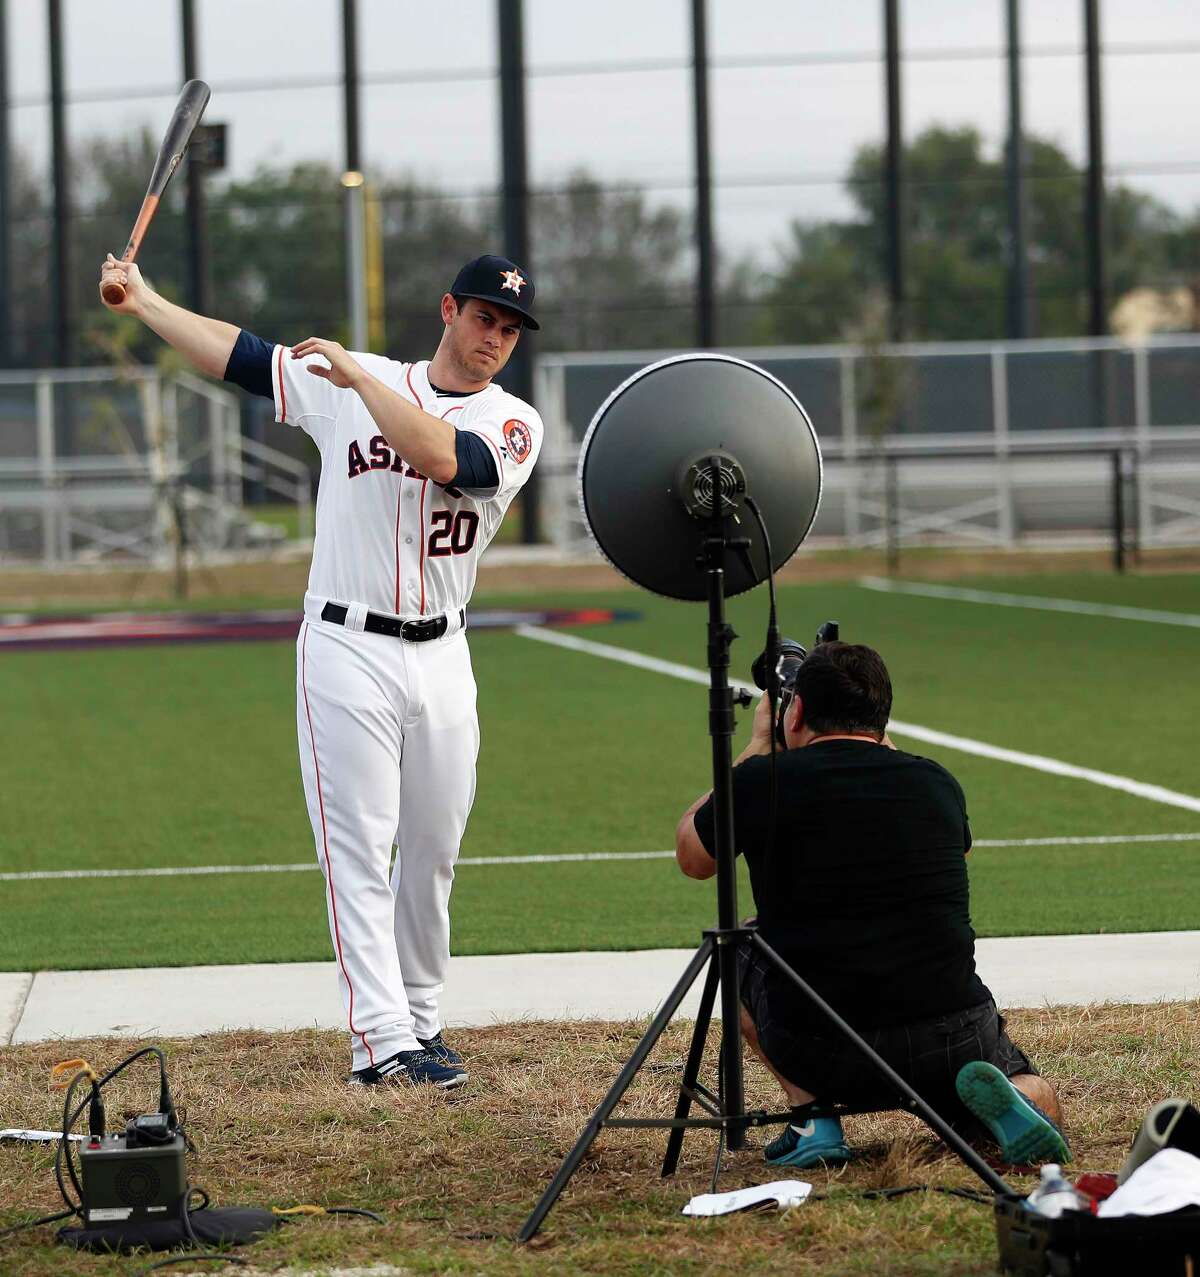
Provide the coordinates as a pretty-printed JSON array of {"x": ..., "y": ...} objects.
[{"x": 188, "y": 110}]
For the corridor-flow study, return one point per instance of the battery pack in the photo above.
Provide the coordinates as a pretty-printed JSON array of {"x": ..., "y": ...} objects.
[{"x": 122, "y": 1183}]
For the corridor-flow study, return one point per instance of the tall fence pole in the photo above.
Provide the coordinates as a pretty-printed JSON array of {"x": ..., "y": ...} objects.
[
  {"x": 352, "y": 184},
  {"x": 64, "y": 316},
  {"x": 518, "y": 376},
  {"x": 1019, "y": 324},
  {"x": 892, "y": 175},
  {"x": 197, "y": 232},
  {"x": 1094, "y": 219},
  {"x": 706, "y": 319},
  {"x": 6, "y": 345}
]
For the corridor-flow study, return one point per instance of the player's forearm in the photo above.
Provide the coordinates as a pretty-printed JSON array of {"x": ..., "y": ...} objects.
[
  {"x": 205, "y": 343},
  {"x": 424, "y": 441}
]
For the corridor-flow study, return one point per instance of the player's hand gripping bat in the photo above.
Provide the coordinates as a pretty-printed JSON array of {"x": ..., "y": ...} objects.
[{"x": 188, "y": 110}]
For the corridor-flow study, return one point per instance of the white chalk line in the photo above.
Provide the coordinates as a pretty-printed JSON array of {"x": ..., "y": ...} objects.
[
  {"x": 558, "y": 858},
  {"x": 200, "y": 871},
  {"x": 1033, "y": 602},
  {"x": 962, "y": 744}
]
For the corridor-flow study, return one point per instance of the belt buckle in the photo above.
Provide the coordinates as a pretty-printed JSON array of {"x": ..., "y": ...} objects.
[{"x": 423, "y": 630}]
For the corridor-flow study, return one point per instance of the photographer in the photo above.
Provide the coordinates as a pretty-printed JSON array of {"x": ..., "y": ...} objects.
[{"x": 863, "y": 892}]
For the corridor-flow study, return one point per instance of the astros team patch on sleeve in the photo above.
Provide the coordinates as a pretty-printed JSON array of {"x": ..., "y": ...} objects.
[{"x": 518, "y": 439}]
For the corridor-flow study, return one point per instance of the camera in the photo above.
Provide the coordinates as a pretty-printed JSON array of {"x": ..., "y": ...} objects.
[{"x": 791, "y": 656}]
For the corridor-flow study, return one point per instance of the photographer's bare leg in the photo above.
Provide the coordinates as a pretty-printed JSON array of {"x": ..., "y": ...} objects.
[
  {"x": 1041, "y": 1093},
  {"x": 819, "y": 1141},
  {"x": 796, "y": 1095}
]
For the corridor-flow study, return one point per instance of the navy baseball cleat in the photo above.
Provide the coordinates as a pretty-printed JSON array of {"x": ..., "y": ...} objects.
[
  {"x": 411, "y": 1068},
  {"x": 1025, "y": 1134},
  {"x": 441, "y": 1051}
]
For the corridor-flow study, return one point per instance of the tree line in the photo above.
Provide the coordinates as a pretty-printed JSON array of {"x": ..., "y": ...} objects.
[{"x": 614, "y": 270}]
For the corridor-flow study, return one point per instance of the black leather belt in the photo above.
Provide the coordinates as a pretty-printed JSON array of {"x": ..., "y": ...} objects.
[{"x": 430, "y": 627}]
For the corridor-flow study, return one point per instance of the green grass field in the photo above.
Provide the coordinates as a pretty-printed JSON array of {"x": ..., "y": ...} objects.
[{"x": 186, "y": 756}]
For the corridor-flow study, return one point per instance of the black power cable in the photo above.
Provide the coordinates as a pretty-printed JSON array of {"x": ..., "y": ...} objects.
[
  {"x": 33, "y": 1223},
  {"x": 890, "y": 1194},
  {"x": 354, "y": 1210},
  {"x": 186, "y": 1212}
]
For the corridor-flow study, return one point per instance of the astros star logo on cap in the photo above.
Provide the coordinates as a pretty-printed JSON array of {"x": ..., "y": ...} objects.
[{"x": 512, "y": 279}]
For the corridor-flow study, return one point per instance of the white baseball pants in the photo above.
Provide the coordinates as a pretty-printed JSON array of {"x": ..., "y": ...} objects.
[{"x": 388, "y": 739}]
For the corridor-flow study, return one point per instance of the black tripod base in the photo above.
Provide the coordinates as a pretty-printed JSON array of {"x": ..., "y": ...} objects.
[
  {"x": 725, "y": 1112},
  {"x": 705, "y": 955}
]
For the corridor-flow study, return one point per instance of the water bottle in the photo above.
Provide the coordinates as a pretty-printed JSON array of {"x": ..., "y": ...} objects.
[{"x": 1055, "y": 1194}]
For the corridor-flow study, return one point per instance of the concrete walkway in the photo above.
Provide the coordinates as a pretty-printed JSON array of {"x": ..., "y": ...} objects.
[{"x": 179, "y": 1002}]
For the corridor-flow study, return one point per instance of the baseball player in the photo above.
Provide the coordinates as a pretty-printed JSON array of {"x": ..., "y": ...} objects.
[{"x": 419, "y": 462}]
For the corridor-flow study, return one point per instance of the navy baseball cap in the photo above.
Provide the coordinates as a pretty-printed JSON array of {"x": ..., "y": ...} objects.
[{"x": 496, "y": 279}]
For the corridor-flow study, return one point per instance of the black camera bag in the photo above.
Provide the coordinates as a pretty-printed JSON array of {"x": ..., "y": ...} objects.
[{"x": 1077, "y": 1244}]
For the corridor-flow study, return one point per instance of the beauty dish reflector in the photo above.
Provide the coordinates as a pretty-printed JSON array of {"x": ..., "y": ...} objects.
[{"x": 671, "y": 436}]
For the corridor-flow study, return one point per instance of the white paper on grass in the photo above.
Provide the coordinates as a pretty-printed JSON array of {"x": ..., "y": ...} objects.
[
  {"x": 782, "y": 1193},
  {"x": 1170, "y": 1180},
  {"x": 35, "y": 1137}
]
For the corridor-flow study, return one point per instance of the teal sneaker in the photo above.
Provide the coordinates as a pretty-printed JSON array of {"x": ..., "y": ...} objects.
[
  {"x": 818, "y": 1140},
  {"x": 1025, "y": 1134}
]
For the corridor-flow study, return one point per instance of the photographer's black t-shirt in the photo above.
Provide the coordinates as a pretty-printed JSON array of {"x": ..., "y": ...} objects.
[{"x": 865, "y": 894}]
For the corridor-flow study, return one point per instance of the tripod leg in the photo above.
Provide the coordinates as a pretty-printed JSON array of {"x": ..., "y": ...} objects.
[
  {"x": 618, "y": 1088},
  {"x": 931, "y": 1119},
  {"x": 691, "y": 1072},
  {"x": 733, "y": 1093}
]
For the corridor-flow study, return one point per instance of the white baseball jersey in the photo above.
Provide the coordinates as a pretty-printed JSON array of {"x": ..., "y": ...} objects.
[
  {"x": 387, "y": 727},
  {"x": 387, "y": 537}
]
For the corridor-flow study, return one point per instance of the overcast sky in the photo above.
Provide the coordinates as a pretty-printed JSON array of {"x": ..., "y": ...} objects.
[{"x": 797, "y": 86}]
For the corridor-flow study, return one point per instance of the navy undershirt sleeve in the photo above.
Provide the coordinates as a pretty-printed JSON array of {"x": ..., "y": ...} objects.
[
  {"x": 476, "y": 464},
  {"x": 249, "y": 365}
]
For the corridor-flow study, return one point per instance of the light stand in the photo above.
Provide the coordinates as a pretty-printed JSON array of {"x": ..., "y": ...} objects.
[
  {"x": 720, "y": 946},
  {"x": 718, "y": 949}
]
